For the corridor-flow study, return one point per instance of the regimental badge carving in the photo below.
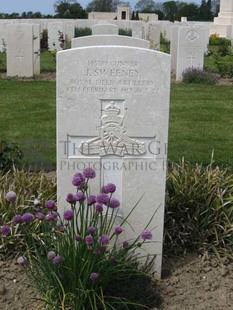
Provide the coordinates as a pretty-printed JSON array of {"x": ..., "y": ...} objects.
[
  {"x": 192, "y": 35},
  {"x": 112, "y": 139}
]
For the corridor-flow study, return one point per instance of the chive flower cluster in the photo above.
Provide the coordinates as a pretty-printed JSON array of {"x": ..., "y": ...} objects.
[{"x": 81, "y": 222}]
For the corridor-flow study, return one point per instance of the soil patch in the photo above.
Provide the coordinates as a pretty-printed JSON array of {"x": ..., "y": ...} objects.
[{"x": 190, "y": 283}]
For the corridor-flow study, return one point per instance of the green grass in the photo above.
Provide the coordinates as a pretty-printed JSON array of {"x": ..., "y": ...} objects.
[
  {"x": 2, "y": 62},
  {"x": 28, "y": 118},
  {"x": 200, "y": 117},
  {"x": 48, "y": 62},
  {"x": 200, "y": 121}
]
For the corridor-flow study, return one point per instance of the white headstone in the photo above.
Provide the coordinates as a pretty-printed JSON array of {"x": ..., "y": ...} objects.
[
  {"x": 173, "y": 49},
  {"x": 105, "y": 28},
  {"x": 55, "y": 31},
  {"x": 112, "y": 114},
  {"x": 98, "y": 40},
  {"x": 183, "y": 19},
  {"x": 137, "y": 32},
  {"x": 154, "y": 36},
  {"x": 191, "y": 49},
  {"x": 69, "y": 30},
  {"x": 20, "y": 57}
]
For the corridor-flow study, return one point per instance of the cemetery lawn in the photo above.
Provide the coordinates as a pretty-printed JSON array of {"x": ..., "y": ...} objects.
[
  {"x": 200, "y": 121},
  {"x": 28, "y": 118}
]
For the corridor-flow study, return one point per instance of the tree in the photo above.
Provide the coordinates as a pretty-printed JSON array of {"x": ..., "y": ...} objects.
[
  {"x": 69, "y": 9},
  {"x": 104, "y": 5},
  {"x": 145, "y": 6},
  {"x": 100, "y": 6},
  {"x": 170, "y": 9},
  {"x": 190, "y": 10},
  {"x": 160, "y": 14},
  {"x": 205, "y": 12}
]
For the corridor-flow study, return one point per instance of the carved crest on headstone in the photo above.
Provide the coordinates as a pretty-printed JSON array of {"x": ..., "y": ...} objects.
[
  {"x": 192, "y": 35},
  {"x": 113, "y": 138}
]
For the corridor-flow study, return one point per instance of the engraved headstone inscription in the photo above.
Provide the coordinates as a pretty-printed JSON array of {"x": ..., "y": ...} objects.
[{"x": 112, "y": 115}]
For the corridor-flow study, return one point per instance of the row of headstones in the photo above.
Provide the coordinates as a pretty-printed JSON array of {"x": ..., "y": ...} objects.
[
  {"x": 112, "y": 115},
  {"x": 188, "y": 45}
]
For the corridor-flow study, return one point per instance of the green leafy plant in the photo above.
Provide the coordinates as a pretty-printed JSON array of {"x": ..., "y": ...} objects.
[
  {"x": 80, "y": 261},
  {"x": 199, "y": 76},
  {"x": 125, "y": 32},
  {"x": 164, "y": 43},
  {"x": 216, "y": 40},
  {"x": 10, "y": 156},
  {"x": 224, "y": 65},
  {"x": 81, "y": 32},
  {"x": 199, "y": 209},
  {"x": 44, "y": 40},
  {"x": 32, "y": 189}
]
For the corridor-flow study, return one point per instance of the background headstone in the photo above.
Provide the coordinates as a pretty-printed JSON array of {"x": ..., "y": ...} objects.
[
  {"x": 191, "y": 49},
  {"x": 154, "y": 36},
  {"x": 55, "y": 30},
  {"x": 98, "y": 40},
  {"x": 20, "y": 53},
  {"x": 105, "y": 28}
]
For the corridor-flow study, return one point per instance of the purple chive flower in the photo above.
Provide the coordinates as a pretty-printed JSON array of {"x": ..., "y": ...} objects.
[
  {"x": 146, "y": 235},
  {"x": 39, "y": 215},
  {"x": 91, "y": 230},
  {"x": 5, "y": 230},
  {"x": 51, "y": 255},
  {"x": 94, "y": 276},
  {"x": 60, "y": 227},
  {"x": 108, "y": 188},
  {"x": 114, "y": 203},
  {"x": 28, "y": 217},
  {"x": 11, "y": 196},
  {"x": 16, "y": 219},
  {"x": 89, "y": 239},
  {"x": 68, "y": 215},
  {"x": 51, "y": 216},
  {"x": 91, "y": 200},
  {"x": 57, "y": 259},
  {"x": 103, "y": 240},
  {"x": 97, "y": 251},
  {"x": 118, "y": 230},
  {"x": 78, "y": 238},
  {"x": 125, "y": 244},
  {"x": 102, "y": 198},
  {"x": 89, "y": 173},
  {"x": 79, "y": 196},
  {"x": 70, "y": 198},
  {"x": 77, "y": 181},
  {"x": 80, "y": 176},
  {"x": 98, "y": 207},
  {"x": 54, "y": 214},
  {"x": 21, "y": 260},
  {"x": 50, "y": 205}
]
